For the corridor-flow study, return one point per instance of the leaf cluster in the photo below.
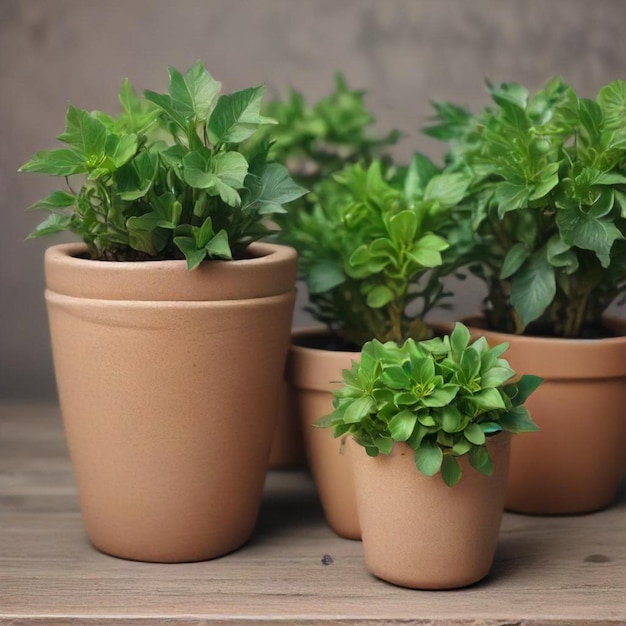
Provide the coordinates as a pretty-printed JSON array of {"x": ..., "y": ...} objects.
[
  {"x": 547, "y": 203},
  {"x": 444, "y": 397},
  {"x": 169, "y": 177},
  {"x": 370, "y": 238},
  {"x": 316, "y": 141}
]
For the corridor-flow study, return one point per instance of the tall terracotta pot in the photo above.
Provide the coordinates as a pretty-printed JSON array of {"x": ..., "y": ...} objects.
[
  {"x": 287, "y": 451},
  {"x": 573, "y": 464},
  {"x": 168, "y": 383},
  {"x": 420, "y": 533},
  {"x": 313, "y": 375}
]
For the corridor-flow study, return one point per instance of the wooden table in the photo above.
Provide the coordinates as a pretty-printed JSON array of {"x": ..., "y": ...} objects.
[{"x": 558, "y": 570}]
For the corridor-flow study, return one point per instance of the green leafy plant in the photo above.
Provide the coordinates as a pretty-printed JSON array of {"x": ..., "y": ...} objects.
[
  {"x": 547, "y": 203},
  {"x": 366, "y": 247},
  {"x": 444, "y": 397},
  {"x": 316, "y": 141},
  {"x": 169, "y": 178}
]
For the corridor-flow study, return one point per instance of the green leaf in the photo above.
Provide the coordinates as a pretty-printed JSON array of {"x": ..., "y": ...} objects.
[
  {"x": 446, "y": 189},
  {"x": 84, "y": 132},
  {"x": 379, "y": 297},
  {"x": 403, "y": 226},
  {"x": 62, "y": 162},
  {"x": 525, "y": 386},
  {"x": 402, "y": 424},
  {"x": 135, "y": 178},
  {"x": 514, "y": 260},
  {"x": 395, "y": 377},
  {"x": 533, "y": 288},
  {"x": 487, "y": 399},
  {"x": 428, "y": 457},
  {"x": 450, "y": 470},
  {"x": 237, "y": 116},
  {"x": 121, "y": 149},
  {"x": 194, "y": 93},
  {"x": 189, "y": 248},
  {"x": 56, "y": 200},
  {"x": 451, "y": 419},
  {"x": 166, "y": 104},
  {"x": 139, "y": 113},
  {"x": 421, "y": 170},
  {"x": 459, "y": 340},
  {"x": 517, "y": 420},
  {"x": 218, "y": 247},
  {"x": 53, "y": 224},
  {"x": 474, "y": 434},
  {"x": 511, "y": 196},
  {"x": 272, "y": 189},
  {"x": 561, "y": 255},
  {"x": 585, "y": 231},
  {"x": 440, "y": 396},
  {"x": 324, "y": 275},
  {"x": 612, "y": 101},
  {"x": 480, "y": 460},
  {"x": 358, "y": 409},
  {"x": 220, "y": 174}
]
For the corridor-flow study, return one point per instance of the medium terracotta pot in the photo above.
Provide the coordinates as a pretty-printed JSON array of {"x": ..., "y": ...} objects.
[
  {"x": 573, "y": 464},
  {"x": 420, "y": 533},
  {"x": 168, "y": 382},
  {"x": 287, "y": 450},
  {"x": 313, "y": 375}
]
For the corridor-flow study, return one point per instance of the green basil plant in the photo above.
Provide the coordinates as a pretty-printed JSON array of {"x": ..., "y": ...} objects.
[
  {"x": 169, "y": 178},
  {"x": 445, "y": 397},
  {"x": 368, "y": 245},
  {"x": 546, "y": 205}
]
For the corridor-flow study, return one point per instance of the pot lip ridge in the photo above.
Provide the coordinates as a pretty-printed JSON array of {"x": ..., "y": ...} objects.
[{"x": 271, "y": 272}]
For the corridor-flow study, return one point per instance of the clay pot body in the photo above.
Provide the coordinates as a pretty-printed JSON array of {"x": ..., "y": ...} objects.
[
  {"x": 420, "y": 533},
  {"x": 618, "y": 326},
  {"x": 168, "y": 382},
  {"x": 573, "y": 464},
  {"x": 313, "y": 375},
  {"x": 287, "y": 450}
]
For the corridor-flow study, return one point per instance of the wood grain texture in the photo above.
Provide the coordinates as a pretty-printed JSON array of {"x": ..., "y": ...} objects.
[{"x": 555, "y": 570}]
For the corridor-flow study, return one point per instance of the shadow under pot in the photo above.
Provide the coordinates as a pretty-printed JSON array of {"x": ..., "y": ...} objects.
[
  {"x": 420, "y": 533},
  {"x": 313, "y": 373},
  {"x": 168, "y": 382},
  {"x": 574, "y": 463}
]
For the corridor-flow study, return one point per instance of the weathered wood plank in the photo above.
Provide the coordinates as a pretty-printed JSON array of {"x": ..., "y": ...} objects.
[{"x": 558, "y": 570}]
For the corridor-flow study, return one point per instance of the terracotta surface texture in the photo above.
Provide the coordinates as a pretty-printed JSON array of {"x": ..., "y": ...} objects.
[
  {"x": 287, "y": 445},
  {"x": 313, "y": 375},
  {"x": 169, "y": 404},
  {"x": 574, "y": 463},
  {"x": 420, "y": 533}
]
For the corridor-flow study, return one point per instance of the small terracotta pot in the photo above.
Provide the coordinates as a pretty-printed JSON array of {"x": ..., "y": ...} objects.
[
  {"x": 420, "y": 533},
  {"x": 573, "y": 464},
  {"x": 313, "y": 375},
  {"x": 168, "y": 382}
]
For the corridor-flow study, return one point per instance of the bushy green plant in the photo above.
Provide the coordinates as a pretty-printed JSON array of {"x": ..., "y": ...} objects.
[
  {"x": 316, "y": 141},
  {"x": 444, "y": 397},
  {"x": 367, "y": 244},
  {"x": 168, "y": 178},
  {"x": 547, "y": 203}
]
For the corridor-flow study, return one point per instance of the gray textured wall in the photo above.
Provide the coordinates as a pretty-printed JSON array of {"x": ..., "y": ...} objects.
[{"x": 403, "y": 51}]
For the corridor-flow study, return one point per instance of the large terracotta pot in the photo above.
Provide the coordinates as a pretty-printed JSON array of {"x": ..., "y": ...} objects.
[
  {"x": 420, "y": 533},
  {"x": 313, "y": 375},
  {"x": 573, "y": 464},
  {"x": 168, "y": 383},
  {"x": 618, "y": 326}
]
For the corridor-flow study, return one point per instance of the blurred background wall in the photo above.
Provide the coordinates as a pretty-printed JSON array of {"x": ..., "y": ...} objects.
[{"x": 404, "y": 52}]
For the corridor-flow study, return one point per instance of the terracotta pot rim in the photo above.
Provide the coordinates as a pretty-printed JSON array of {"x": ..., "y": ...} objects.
[
  {"x": 271, "y": 272},
  {"x": 315, "y": 331}
]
